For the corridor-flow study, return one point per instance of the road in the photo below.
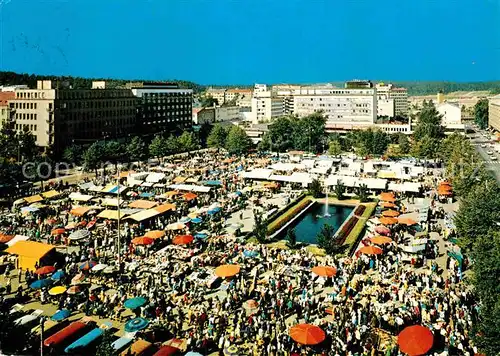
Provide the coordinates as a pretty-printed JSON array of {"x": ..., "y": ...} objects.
[{"x": 482, "y": 138}]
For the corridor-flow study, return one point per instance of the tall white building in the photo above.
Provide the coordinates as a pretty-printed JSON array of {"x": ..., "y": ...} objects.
[
  {"x": 265, "y": 105},
  {"x": 398, "y": 95}
]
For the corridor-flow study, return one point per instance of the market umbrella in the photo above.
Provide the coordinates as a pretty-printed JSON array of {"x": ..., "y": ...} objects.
[
  {"x": 189, "y": 196},
  {"x": 143, "y": 241},
  {"x": 45, "y": 270},
  {"x": 324, "y": 271},
  {"x": 58, "y": 275},
  {"x": 382, "y": 230},
  {"x": 74, "y": 290},
  {"x": 388, "y": 205},
  {"x": 213, "y": 211},
  {"x": 5, "y": 238},
  {"x": 57, "y": 290},
  {"x": 225, "y": 271},
  {"x": 110, "y": 270},
  {"x": 191, "y": 353},
  {"x": 79, "y": 234},
  {"x": 388, "y": 221},
  {"x": 250, "y": 253},
  {"x": 232, "y": 350},
  {"x": 182, "y": 239},
  {"x": 58, "y": 231},
  {"x": 79, "y": 278},
  {"x": 201, "y": 235},
  {"x": 166, "y": 350},
  {"x": 407, "y": 221},
  {"x": 196, "y": 220},
  {"x": 155, "y": 234},
  {"x": 444, "y": 191},
  {"x": 176, "y": 226},
  {"x": 185, "y": 220},
  {"x": 387, "y": 197},
  {"x": 87, "y": 265},
  {"x": 307, "y": 334},
  {"x": 415, "y": 340},
  {"x": 41, "y": 283},
  {"x": 70, "y": 226},
  {"x": 390, "y": 213},
  {"x": 370, "y": 250},
  {"x": 99, "y": 267},
  {"x": 51, "y": 221},
  {"x": 380, "y": 240},
  {"x": 60, "y": 315},
  {"x": 134, "y": 303},
  {"x": 136, "y": 324}
]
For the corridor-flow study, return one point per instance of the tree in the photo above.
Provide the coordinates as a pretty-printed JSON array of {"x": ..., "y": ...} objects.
[
  {"x": 280, "y": 135},
  {"x": 340, "y": 190},
  {"x": 334, "y": 148},
  {"x": 486, "y": 272},
  {"x": 93, "y": 157},
  {"x": 105, "y": 347},
  {"x": 217, "y": 137},
  {"x": 260, "y": 228},
  {"x": 308, "y": 132},
  {"x": 28, "y": 149},
  {"x": 478, "y": 212},
  {"x": 208, "y": 101},
  {"x": 73, "y": 154},
  {"x": 291, "y": 238},
  {"x": 238, "y": 141},
  {"x": 481, "y": 113},
  {"x": 327, "y": 241},
  {"x": 426, "y": 147},
  {"x": 429, "y": 123},
  {"x": 114, "y": 152},
  {"x": 157, "y": 147},
  {"x": 136, "y": 149},
  {"x": 171, "y": 146},
  {"x": 187, "y": 142},
  {"x": 404, "y": 143},
  {"x": 363, "y": 193},
  {"x": 315, "y": 188}
]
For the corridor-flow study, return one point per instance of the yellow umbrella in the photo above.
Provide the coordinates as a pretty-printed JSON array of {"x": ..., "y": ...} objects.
[
  {"x": 57, "y": 290},
  {"x": 193, "y": 215}
]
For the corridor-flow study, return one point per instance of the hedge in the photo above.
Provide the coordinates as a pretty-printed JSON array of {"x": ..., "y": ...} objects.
[
  {"x": 287, "y": 216},
  {"x": 346, "y": 229},
  {"x": 360, "y": 209}
]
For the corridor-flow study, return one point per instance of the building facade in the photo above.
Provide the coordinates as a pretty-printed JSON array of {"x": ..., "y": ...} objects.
[
  {"x": 218, "y": 94},
  {"x": 240, "y": 97},
  {"x": 5, "y": 96},
  {"x": 162, "y": 107},
  {"x": 227, "y": 113},
  {"x": 494, "y": 113},
  {"x": 266, "y": 106},
  {"x": 60, "y": 117},
  {"x": 451, "y": 112},
  {"x": 398, "y": 95},
  {"x": 203, "y": 116}
]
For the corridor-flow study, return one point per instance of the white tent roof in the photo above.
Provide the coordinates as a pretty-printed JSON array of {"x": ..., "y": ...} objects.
[
  {"x": 412, "y": 187},
  {"x": 373, "y": 183},
  {"x": 309, "y": 163},
  {"x": 155, "y": 177},
  {"x": 80, "y": 197},
  {"x": 257, "y": 173},
  {"x": 17, "y": 238},
  {"x": 396, "y": 187},
  {"x": 139, "y": 175},
  {"x": 346, "y": 180},
  {"x": 301, "y": 177},
  {"x": 190, "y": 188},
  {"x": 320, "y": 170},
  {"x": 280, "y": 166}
]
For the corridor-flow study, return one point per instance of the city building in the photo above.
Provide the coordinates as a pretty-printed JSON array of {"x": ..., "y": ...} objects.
[
  {"x": 385, "y": 107},
  {"x": 59, "y": 117},
  {"x": 5, "y": 96},
  {"x": 227, "y": 113},
  {"x": 494, "y": 113},
  {"x": 218, "y": 94},
  {"x": 398, "y": 95},
  {"x": 162, "y": 107},
  {"x": 452, "y": 115},
  {"x": 203, "y": 115},
  {"x": 265, "y": 105},
  {"x": 239, "y": 97}
]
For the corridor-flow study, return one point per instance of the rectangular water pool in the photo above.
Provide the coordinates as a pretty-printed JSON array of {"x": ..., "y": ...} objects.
[{"x": 310, "y": 223}]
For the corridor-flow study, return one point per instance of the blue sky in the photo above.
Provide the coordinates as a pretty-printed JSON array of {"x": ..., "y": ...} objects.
[{"x": 247, "y": 41}]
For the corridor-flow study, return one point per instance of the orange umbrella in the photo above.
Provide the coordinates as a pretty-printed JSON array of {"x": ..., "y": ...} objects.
[
  {"x": 189, "y": 196},
  {"x": 407, "y": 221},
  {"x": 415, "y": 340},
  {"x": 182, "y": 239},
  {"x": 171, "y": 193},
  {"x": 387, "y": 197},
  {"x": 155, "y": 234},
  {"x": 324, "y": 271},
  {"x": 388, "y": 205},
  {"x": 58, "y": 231},
  {"x": 51, "y": 221},
  {"x": 442, "y": 191},
  {"x": 370, "y": 250},
  {"x": 388, "y": 220},
  {"x": 143, "y": 240},
  {"x": 5, "y": 238},
  {"x": 307, "y": 334},
  {"x": 380, "y": 240},
  {"x": 225, "y": 271},
  {"x": 390, "y": 213},
  {"x": 45, "y": 270}
]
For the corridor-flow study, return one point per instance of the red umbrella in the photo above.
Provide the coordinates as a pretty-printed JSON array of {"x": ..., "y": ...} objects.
[
  {"x": 45, "y": 270},
  {"x": 382, "y": 230},
  {"x": 51, "y": 221},
  {"x": 307, "y": 334},
  {"x": 370, "y": 250},
  {"x": 324, "y": 271},
  {"x": 58, "y": 231},
  {"x": 415, "y": 340},
  {"x": 74, "y": 290},
  {"x": 143, "y": 241},
  {"x": 182, "y": 239}
]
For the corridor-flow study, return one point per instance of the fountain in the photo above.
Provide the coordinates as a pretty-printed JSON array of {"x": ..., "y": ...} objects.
[{"x": 326, "y": 214}]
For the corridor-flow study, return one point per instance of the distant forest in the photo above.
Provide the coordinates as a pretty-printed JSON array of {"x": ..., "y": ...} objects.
[{"x": 414, "y": 87}]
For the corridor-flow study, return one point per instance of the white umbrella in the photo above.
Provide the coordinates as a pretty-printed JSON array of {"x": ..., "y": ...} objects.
[
  {"x": 28, "y": 318},
  {"x": 79, "y": 234},
  {"x": 99, "y": 267}
]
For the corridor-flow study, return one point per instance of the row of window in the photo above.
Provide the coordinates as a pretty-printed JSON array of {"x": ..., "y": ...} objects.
[
  {"x": 26, "y": 116},
  {"x": 22, "y": 127},
  {"x": 95, "y": 94},
  {"x": 161, "y": 95},
  {"x": 98, "y": 104},
  {"x": 167, "y": 107},
  {"x": 72, "y": 116},
  {"x": 32, "y": 106}
]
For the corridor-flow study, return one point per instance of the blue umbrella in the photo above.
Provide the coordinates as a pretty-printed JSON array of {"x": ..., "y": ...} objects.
[
  {"x": 136, "y": 324},
  {"x": 213, "y": 182},
  {"x": 60, "y": 315},
  {"x": 185, "y": 220},
  {"x": 201, "y": 235},
  {"x": 134, "y": 303},
  {"x": 248, "y": 253},
  {"x": 238, "y": 193},
  {"x": 191, "y": 353},
  {"x": 58, "y": 275},
  {"x": 41, "y": 283},
  {"x": 146, "y": 195},
  {"x": 213, "y": 211},
  {"x": 196, "y": 220}
]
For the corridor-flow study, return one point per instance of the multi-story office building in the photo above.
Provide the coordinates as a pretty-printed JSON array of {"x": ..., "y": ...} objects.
[
  {"x": 218, "y": 94},
  {"x": 494, "y": 113},
  {"x": 162, "y": 107},
  {"x": 265, "y": 105},
  {"x": 5, "y": 96},
  {"x": 398, "y": 95},
  {"x": 240, "y": 97},
  {"x": 59, "y": 117}
]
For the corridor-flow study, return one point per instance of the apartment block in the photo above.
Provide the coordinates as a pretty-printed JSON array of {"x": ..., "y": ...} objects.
[
  {"x": 398, "y": 95},
  {"x": 5, "y": 96},
  {"x": 239, "y": 97},
  {"x": 494, "y": 113},
  {"x": 217, "y": 94},
  {"x": 58, "y": 117},
  {"x": 265, "y": 105}
]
